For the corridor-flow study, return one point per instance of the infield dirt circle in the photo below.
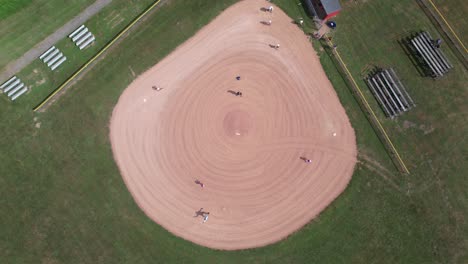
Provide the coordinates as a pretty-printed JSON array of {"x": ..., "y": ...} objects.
[{"x": 245, "y": 150}]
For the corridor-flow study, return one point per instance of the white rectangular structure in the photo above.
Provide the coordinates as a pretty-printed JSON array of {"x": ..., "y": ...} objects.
[
  {"x": 58, "y": 63},
  {"x": 76, "y": 31},
  {"x": 56, "y": 58},
  {"x": 47, "y": 52},
  {"x": 5, "y": 84},
  {"x": 17, "y": 88},
  {"x": 86, "y": 44},
  {"x": 51, "y": 55},
  {"x": 19, "y": 93},
  {"x": 84, "y": 38},
  {"x": 12, "y": 85},
  {"x": 79, "y": 35}
]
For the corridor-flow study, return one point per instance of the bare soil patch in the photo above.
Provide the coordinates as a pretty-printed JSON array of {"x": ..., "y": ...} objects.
[{"x": 246, "y": 150}]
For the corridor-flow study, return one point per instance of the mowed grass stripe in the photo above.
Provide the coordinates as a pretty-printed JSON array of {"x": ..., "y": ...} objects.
[{"x": 9, "y": 7}]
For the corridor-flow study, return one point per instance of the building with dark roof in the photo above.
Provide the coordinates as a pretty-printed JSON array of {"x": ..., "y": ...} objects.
[{"x": 323, "y": 9}]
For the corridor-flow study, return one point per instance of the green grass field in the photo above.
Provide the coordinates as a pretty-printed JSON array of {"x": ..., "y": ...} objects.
[
  {"x": 105, "y": 26},
  {"x": 10, "y": 7},
  {"x": 455, "y": 12},
  {"x": 63, "y": 200},
  {"x": 24, "y": 23}
]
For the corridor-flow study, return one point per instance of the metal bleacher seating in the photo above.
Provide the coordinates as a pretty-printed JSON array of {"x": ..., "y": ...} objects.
[
  {"x": 82, "y": 37},
  {"x": 13, "y": 88},
  {"x": 389, "y": 92},
  {"x": 433, "y": 58}
]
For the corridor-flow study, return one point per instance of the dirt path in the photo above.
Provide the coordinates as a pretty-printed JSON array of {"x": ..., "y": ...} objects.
[
  {"x": 245, "y": 150},
  {"x": 16, "y": 66}
]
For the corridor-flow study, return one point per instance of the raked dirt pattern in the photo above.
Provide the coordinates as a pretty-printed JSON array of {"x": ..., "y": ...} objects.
[{"x": 245, "y": 150}]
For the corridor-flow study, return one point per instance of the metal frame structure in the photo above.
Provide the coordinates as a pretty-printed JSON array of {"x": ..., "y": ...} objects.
[{"x": 389, "y": 92}]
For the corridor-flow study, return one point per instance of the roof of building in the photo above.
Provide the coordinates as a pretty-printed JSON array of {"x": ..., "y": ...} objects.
[
  {"x": 331, "y": 6},
  {"x": 327, "y": 7}
]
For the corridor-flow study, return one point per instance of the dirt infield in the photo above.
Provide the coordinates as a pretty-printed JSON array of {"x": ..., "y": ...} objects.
[{"x": 247, "y": 149}]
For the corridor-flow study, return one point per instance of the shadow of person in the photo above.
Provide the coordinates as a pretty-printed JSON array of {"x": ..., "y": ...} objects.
[
  {"x": 232, "y": 92},
  {"x": 199, "y": 213}
]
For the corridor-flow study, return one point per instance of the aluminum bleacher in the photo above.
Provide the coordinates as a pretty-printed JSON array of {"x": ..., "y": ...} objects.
[
  {"x": 389, "y": 92},
  {"x": 82, "y": 37},
  {"x": 13, "y": 88},
  {"x": 53, "y": 58},
  {"x": 433, "y": 59}
]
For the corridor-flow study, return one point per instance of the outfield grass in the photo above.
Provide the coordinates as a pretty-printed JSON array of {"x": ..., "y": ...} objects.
[
  {"x": 9, "y": 7},
  {"x": 24, "y": 23},
  {"x": 455, "y": 12},
  {"x": 105, "y": 26},
  {"x": 63, "y": 200},
  {"x": 431, "y": 137}
]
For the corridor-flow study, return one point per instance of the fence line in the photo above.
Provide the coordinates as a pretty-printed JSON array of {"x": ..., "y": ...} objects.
[
  {"x": 444, "y": 28},
  {"x": 448, "y": 25},
  {"x": 373, "y": 117}
]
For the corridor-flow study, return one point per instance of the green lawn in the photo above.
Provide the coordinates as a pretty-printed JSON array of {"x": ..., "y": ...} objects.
[
  {"x": 455, "y": 12},
  {"x": 431, "y": 137},
  {"x": 105, "y": 26},
  {"x": 63, "y": 200},
  {"x": 25, "y": 23},
  {"x": 10, "y": 7}
]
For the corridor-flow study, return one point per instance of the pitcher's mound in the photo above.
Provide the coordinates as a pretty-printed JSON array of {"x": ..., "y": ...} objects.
[{"x": 248, "y": 151}]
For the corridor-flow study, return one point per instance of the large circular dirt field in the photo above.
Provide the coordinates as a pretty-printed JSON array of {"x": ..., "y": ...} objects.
[{"x": 246, "y": 150}]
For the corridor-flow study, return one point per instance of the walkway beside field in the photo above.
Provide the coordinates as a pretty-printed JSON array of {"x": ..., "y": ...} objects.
[{"x": 16, "y": 66}]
